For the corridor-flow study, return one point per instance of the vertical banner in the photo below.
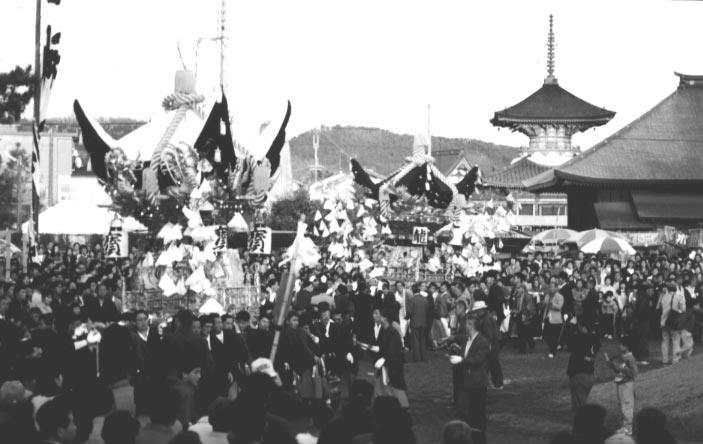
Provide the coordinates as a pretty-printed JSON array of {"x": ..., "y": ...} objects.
[
  {"x": 221, "y": 241},
  {"x": 116, "y": 244},
  {"x": 260, "y": 241},
  {"x": 420, "y": 235}
]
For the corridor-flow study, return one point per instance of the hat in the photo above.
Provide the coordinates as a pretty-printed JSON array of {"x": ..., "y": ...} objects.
[
  {"x": 479, "y": 305},
  {"x": 263, "y": 365},
  {"x": 12, "y": 393}
]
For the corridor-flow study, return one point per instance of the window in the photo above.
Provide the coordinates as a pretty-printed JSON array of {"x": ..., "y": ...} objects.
[
  {"x": 527, "y": 210},
  {"x": 553, "y": 210}
]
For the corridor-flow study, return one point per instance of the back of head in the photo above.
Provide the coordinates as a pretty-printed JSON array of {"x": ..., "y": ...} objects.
[
  {"x": 589, "y": 421},
  {"x": 53, "y": 415},
  {"x": 120, "y": 427},
  {"x": 360, "y": 393},
  {"x": 456, "y": 432},
  {"x": 164, "y": 405},
  {"x": 186, "y": 438},
  {"x": 393, "y": 424}
]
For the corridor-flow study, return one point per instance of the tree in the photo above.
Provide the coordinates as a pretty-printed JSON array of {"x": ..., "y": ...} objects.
[
  {"x": 15, "y": 181},
  {"x": 285, "y": 212},
  {"x": 16, "y": 90}
]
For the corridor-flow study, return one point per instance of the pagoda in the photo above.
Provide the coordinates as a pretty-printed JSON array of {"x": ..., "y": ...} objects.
[{"x": 551, "y": 116}]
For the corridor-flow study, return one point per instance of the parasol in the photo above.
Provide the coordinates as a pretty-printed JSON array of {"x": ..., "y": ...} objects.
[
  {"x": 554, "y": 236},
  {"x": 608, "y": 245}
]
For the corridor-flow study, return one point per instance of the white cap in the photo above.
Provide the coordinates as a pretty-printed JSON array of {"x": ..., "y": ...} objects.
[{"x": 263, "y": 365}]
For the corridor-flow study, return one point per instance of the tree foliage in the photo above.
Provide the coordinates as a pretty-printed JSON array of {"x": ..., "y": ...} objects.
[
  {"x": 285, "y": 212},
  {"x": 15, "y": 173},
  {"x": 16, "y": 90}
]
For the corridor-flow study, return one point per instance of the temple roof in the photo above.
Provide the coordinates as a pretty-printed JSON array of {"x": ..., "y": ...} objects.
[
  {"x": 552, "y": 103},
  {"x": 663, "y": 146},
  {"x": 512, "y": 176}
]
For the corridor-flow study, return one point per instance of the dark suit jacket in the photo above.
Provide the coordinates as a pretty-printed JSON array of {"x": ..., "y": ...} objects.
[
  {"x": 495, "y": 301},
  {"x": 417, "y": 311},
  {"x": 259, "y": 343},
  {"x": 229, "y": 356},
  {"x": 102, "y": 313},
  {"x": 392, "y": 351},
  {"x": 184, "y": 347},
  {"x": 474, "y": 364},
  {"x": 147, "y": 355}
]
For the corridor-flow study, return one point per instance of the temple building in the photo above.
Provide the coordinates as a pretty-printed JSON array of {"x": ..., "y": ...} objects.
[
  {"x": 646, "y": 176},
  {"x": 549, "y": 118}
]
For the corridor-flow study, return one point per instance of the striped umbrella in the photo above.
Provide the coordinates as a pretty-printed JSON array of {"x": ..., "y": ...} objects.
[
  {"x": 607, "y": 245},
  {"x": 554, "y": 236},
  {"x": 587, "y": 236}
]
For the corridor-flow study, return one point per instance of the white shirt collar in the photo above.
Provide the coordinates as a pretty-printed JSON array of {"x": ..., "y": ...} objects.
[
  {"x": 221, "y": 336},
  {"x": 144, "y": 335}
]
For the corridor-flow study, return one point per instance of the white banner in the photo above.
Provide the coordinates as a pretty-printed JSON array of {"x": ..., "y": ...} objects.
[
  {"x": 260, "y": 241},
  {"x": 116, "y": 243}
]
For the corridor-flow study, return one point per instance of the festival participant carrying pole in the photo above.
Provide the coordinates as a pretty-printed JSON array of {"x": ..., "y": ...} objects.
[
  {"x": 302, "y": 252},
  {"x": 285, "y": 289}
]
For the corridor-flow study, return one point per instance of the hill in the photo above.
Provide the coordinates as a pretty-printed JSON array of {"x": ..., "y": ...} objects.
[{"x": 383, "y": 151}]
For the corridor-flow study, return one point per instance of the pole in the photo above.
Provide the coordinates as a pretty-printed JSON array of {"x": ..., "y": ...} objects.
[
  {"x": 429, "y": 133},
  {"x": 285, "y": 297},
  {"x": 221, "y": 37},
  {"x": 20, "y": 167},
  {"x": 37, "y": 63},
  {"x": 50, "y": 184}
]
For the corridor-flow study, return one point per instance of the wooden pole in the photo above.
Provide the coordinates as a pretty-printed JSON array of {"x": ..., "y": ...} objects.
[
  {"x": 37, "y": 63},
  {"x": 285, "y": 292}
]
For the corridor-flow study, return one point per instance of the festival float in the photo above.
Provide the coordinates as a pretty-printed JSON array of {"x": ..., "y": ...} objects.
[
  {"x": 411, "y": 218},
  {"x": 183, "y": 177}
]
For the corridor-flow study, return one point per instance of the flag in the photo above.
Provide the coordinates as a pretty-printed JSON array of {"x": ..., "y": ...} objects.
[{"x": 215, "y": 140}]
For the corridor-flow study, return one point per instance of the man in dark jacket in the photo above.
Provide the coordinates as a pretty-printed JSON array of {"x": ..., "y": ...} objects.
[
  {"x": 184, "y": 346},
  {"x": 473, "y": 359},
  {"x": 495, "y": 297},
  {"x": 584, "y": 346},
  {"x": 417, "y": 313},
  {"x": 641, "y": 314},
  {"x": 102, "y": 309},
  {"x": 230, "y": 359},
  {"x": 146, "y": 344},
  {"x": 489, "y": 329}
]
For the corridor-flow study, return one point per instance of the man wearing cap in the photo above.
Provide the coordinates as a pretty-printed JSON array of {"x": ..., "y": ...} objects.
[{"x": 472, "y": 361}]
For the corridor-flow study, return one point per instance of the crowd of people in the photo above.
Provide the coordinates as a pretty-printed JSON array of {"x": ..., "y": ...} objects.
[{"x": 76, "y": 367}]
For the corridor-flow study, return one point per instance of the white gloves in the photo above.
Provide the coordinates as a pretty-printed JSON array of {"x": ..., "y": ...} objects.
[
  {"x": 455, "y": 359},
  {"x": 93, "y": 337},
  {"x": 350, "y": 358},
  {"x": 375, "y": 348},
  {"x": 379, "y": 363}
]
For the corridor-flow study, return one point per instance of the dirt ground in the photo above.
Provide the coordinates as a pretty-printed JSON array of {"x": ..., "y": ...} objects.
[{"x": 536, "y": 404}]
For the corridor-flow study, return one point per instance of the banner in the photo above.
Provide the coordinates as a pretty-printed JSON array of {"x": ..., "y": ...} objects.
[
  {"x": 116, "y": 244},
  {"x": 221, "y": 241},
  {"x": 420, "y": 235},
  {"x": 260, "y": 241}
]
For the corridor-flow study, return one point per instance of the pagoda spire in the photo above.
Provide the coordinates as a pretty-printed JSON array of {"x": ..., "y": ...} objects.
[{"x": 550, "y": 79}]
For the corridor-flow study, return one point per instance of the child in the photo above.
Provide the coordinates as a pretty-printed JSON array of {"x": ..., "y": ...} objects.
[
  {"x": 187, "y": 388},
  {"x": 625, "y": 367},
  {"x": 608, "y": 308}
]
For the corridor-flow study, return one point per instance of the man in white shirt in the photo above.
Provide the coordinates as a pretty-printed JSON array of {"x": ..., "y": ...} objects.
[{"x": 670, "y": 301}]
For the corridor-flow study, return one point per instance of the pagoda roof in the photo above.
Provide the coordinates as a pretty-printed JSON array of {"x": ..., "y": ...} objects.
[
  {"x": 663, "y": 146},
  {"x": 513, "y": 176},
  {"x": 552, "y": 103}
]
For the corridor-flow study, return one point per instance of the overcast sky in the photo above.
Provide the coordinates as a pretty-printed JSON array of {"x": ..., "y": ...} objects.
[{"x": 368, "y": 63}]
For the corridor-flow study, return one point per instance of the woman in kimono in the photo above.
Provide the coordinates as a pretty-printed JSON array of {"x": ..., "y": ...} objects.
[{"x": 390, "y": 375}]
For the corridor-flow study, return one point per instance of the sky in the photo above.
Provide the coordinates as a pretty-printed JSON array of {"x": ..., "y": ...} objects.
[{"x": 365, "y": 63}]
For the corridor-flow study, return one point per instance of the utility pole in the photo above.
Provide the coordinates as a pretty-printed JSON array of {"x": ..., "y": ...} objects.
[
  {"x": 316, "y": 147},
  {"x": 221, "y": 37},
  {"x": 37, "y": 63},
  {"x": 429, "y": 133}
]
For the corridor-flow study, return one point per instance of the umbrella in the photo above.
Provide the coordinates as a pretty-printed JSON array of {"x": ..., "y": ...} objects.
[
  {"x": 587, "y": 236},
  {"x": 555, "y": 235},
  {"x": 607, "y": 245}
]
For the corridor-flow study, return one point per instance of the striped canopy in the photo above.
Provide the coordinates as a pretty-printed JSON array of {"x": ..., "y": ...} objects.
[{"x": 607, "y": 245}]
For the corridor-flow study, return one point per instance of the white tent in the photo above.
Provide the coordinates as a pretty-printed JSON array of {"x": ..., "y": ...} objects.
[{"x": 69, "y": 217}]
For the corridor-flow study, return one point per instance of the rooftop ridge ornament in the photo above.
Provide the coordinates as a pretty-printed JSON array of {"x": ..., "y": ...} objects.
[{"x": 550, "y": 79}]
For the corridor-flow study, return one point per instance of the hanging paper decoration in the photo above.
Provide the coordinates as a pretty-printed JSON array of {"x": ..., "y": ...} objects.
[{"x": 260, "y": 241}]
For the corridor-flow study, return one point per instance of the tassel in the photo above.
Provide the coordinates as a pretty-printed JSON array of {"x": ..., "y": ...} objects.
[{"x": 218, "y": 156}]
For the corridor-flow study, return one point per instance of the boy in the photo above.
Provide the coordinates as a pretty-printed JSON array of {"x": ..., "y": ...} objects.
[
  {"x": 625, "y": 367},
  {"x": 187, "y": 388}
]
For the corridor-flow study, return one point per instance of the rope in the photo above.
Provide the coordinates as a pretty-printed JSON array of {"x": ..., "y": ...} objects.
[{"x": 181, "y": 103}]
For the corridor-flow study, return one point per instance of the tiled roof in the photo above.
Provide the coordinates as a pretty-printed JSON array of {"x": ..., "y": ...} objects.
[
  {"x": 552, "y": 103},
  {"x": 513, "y": 175},
  {"x": 663, "y": 146}
]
